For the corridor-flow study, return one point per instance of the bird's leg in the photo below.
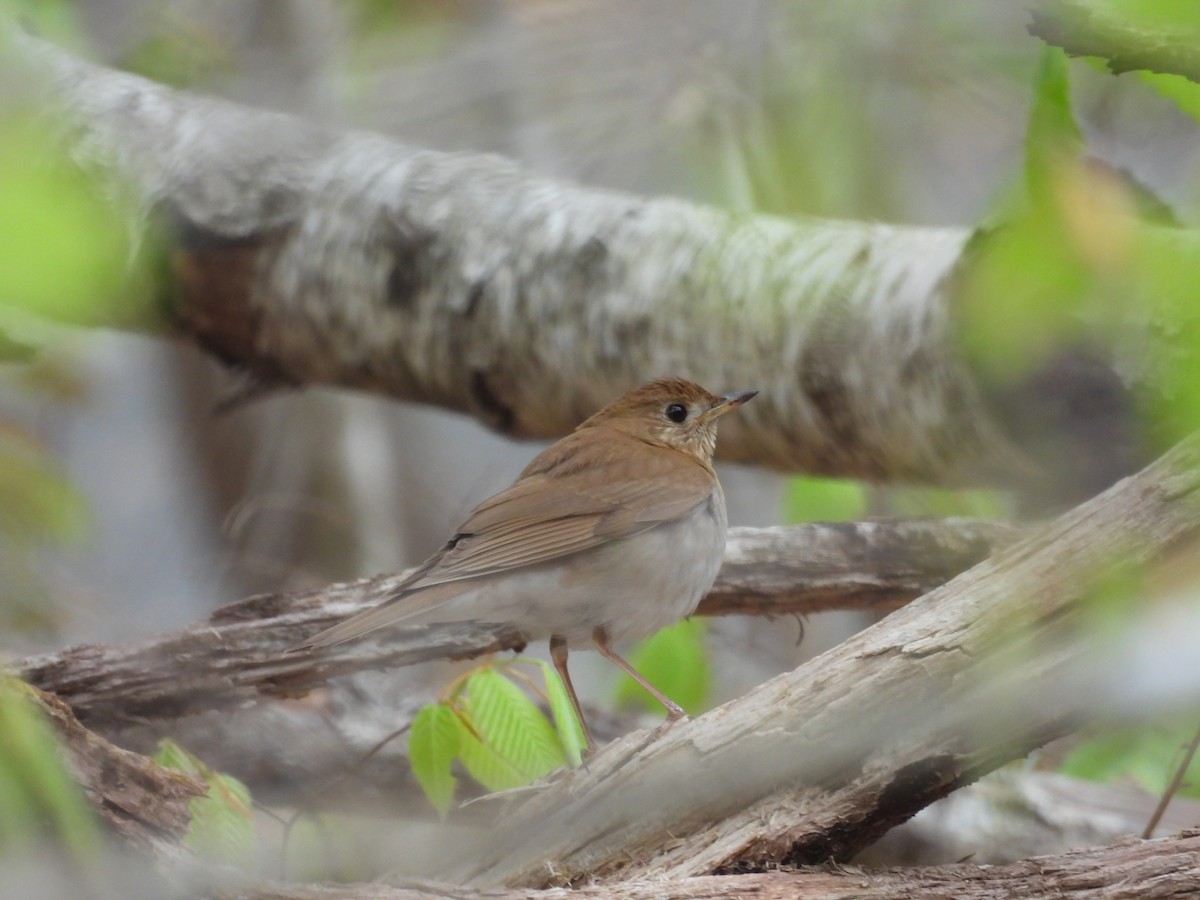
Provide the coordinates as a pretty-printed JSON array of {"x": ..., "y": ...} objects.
[
  {"x": 674, "y": 710},
  {"x": 558, "y": 653}
]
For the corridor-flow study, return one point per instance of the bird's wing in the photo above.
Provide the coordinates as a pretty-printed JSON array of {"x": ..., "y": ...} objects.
[
  {"x": 590, "y": 497},
  {"x": 576, "y": 496}
]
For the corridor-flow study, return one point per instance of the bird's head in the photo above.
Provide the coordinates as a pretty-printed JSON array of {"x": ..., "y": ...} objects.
[{"x": 672, "y": 412}]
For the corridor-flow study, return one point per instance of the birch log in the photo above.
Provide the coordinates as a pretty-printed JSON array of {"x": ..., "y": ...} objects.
[{"x": 306, "y": 256}]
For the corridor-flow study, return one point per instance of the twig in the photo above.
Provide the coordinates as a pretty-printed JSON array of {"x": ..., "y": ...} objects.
[{"x": 1173, "y": 787}]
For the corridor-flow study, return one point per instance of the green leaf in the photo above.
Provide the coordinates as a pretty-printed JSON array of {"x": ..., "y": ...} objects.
[
  {"x": 65, "y": 247},
  {"x": 171, "y": 755},
  {"x": 1148, "y": 753},
  {"x": 433, "y": 743},
  {"x": 487, "y": 766},
  {"x": 222, "y": 825},
  {"x": 566, "y": 723},
  {"x": 1168, "y": 271},
  {"x": 511, "y": 726},
  {"x": 1102, "y": 758},
  {"x": 1022, "y": 290},
  {"x": 37, "y": 796},
  {"x": 945, "y": 502},
  {"x": 823, "y": 500},
  {"x": 1052, "y": 138},
  {"x": 1185, "y": 94},
  {"x": 675, "y": 661},
  {"x": 13, "y": 350}
]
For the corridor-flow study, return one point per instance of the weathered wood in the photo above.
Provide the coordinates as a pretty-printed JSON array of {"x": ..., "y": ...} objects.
[
  {"x": 238, "y": 655},
  {"x": 143, "y": 803},
  {"x": 1164, "y": 869}
]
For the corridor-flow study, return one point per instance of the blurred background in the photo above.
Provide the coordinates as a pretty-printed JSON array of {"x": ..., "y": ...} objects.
[
  {"x": 909, "y": 111},
  {"x": 129, "y": 506}
]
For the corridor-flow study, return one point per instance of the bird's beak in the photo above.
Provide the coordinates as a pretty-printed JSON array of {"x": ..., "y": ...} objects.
[{"x": 726, "y": 403}]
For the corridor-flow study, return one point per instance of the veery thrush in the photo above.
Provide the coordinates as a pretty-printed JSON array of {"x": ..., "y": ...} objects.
[{"x": 608, "y": 535}]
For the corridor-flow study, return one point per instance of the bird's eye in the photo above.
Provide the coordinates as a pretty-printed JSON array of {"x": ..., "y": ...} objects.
[{"x": 676, "y": 412}]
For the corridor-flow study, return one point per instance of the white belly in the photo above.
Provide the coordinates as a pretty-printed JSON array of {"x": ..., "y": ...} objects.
[{"x": 631, "y": 588}]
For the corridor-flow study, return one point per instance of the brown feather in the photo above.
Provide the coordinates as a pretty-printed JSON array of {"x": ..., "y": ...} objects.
[
  {"x": 626, "y": 470},
  {"x": 580, "y": 497}
]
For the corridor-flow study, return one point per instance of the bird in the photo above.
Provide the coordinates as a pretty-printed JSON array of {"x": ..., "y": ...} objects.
[{"x": 608, "y": 535}]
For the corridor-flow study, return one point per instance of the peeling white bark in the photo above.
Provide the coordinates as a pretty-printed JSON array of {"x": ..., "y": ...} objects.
[{"x": 310, "y": 256}]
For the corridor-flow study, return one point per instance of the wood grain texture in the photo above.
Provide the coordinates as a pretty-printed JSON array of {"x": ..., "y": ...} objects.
[
  {"x": 1164, "y": 869},
  {"x": 140, "y": 801},
  {"x": 238, "y": 655}
]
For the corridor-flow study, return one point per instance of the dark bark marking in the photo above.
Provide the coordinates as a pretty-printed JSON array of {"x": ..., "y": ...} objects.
[
  {"x": 413, "y": 250},
  {"x": 474, "y": 299},
  {"x": 215, "y": 279},
  {"x": 488, "y": 404}
]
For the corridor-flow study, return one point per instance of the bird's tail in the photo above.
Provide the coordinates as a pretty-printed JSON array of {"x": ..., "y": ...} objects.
[{"x": 403, "y": 607}]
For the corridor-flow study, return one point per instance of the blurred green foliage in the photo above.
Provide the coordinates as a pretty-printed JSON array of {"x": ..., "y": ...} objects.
[
  {"x": 488, "y": 723},
  {"x": 180, "y": 53},
  {"x": 1183, "y": 93},
  {"x": 1180, "y": 17},
  {"x": 39, "y": 507},
  {"x": 1027, "y": 279},
  {"x": 1148, "y": 753},
  {"x": 674, "y": 660},
  {"x": 56, "y": 20},
  {"x": 37, "y": 503},
  {"x": 1078, "y": 260},
  {"x": 39, "y": 802},
  {"x": 66, "y": 256},
  {"x": 63, "y": 248},
  {"x": 824, "y": 500}
]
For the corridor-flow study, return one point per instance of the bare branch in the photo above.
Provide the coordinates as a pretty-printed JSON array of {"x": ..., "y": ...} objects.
[{"x": 238, "y": 654}]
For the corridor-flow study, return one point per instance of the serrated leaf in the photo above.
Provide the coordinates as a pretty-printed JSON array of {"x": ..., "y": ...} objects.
[
  {"x": 566, "y": 723},
  {"x": 433, "y": 743},
  {"x": 222, "y": 824},
  {"x": 675, "y": 661},
  {"x": 487, "y": 767},
  {"x": 171, "y": 755},
  {"x": 511, "y": 725}
]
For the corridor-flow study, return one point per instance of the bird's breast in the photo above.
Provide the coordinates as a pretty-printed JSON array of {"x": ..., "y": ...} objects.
[{"x": 634, "y": 586}]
